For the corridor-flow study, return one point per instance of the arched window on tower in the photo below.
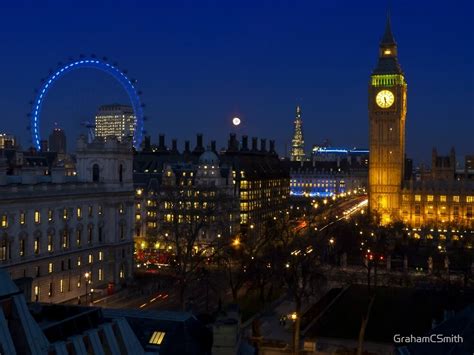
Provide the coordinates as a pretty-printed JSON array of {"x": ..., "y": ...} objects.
[
  {"x": 120, "y": 173},
  {"x": 95, "y": 173}
]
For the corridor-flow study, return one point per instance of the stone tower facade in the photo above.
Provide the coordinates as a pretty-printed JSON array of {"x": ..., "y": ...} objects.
[
  {"x": 297, "y": 144},
  {"x": 387, "y": 114}
]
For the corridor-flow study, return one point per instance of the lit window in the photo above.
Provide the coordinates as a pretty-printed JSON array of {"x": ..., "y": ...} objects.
[
  {"x": 90, "y": 258},
  {"x": 100, "y": 210},
  {"x": 78, "y": 237},
  {"x": 79, "y": 212},
  {"x": 417, "y": 198},
  {"x": 4, "y": 221},
  {"x": 64, "y": 213},
  {"x": 138, "y": 217},
  {"x": 90, "y": 210},
  {"x": 430, "y": 198},
  {"x": 61, "y": 285},
  {"x": 101, "y": 275},
  {"x": 22, "y": 218},
  {"x": 101, "y": 255},
  {"x": 50, "y": 215},
  {"x": 387, "y": 52},
  {"x": 50, "y": 268},
  {"x": 78, "y": 261},
  {"x": 455, "y": 198},
  {"x": 121, "y": 209},
  {"x": 469, "y": 199},
  {"x": 22, "y": 247},
  {"x": 37, "y": 217},
  {"x": 157, "y": 338},
  {"x": 50, "y": 243},
  {"x": 36, "y": 246},
  {"x": 442, "y": 198}
]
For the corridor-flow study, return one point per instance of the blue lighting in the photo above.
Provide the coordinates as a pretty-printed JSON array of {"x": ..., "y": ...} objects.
[{"x": 93, "y": 64}]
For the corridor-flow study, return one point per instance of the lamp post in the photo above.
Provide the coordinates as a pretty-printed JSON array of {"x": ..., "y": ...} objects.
[{"x": 87, "y": 276}]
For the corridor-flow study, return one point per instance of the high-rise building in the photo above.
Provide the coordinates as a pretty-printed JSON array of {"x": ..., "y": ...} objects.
[
  {"x": 57, "y": 141},
  {"x": 115, "y": 120},
  {"x": 6, "y": 141},
  {"x": 297, "y": 144},
  {"x": 387, "y": 112}
]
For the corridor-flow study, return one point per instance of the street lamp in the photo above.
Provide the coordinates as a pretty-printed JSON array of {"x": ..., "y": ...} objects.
[{"x": 87, "y": 276}]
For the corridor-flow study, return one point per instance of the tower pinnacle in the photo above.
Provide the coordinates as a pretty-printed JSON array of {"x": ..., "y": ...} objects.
[{"x": 297, "y": 144}]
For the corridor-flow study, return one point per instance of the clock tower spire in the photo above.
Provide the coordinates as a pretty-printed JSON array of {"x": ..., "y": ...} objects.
[{"x": 387, "y": 113}]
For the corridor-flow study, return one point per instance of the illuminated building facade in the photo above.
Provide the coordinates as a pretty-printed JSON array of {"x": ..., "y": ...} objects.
[
  {"x": 250, "y": 184},
  {"x": 328, "y": 178},
  {"x": 387, "y": 113},
  {"x": 297, "y": 144},
  {"x": 440, "y": 197},
  {"x": 115, "y": 120},
  {"x": 7, "y": 141},
  {"x": 262, "y": 181},
  {"x": 69, "y": 234}
]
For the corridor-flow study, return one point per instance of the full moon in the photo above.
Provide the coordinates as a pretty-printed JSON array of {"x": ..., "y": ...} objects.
[{"x": 236, "y": 121}]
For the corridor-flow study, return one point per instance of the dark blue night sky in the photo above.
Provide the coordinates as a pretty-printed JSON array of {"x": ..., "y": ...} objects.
[{"x": 200, "y": 63}]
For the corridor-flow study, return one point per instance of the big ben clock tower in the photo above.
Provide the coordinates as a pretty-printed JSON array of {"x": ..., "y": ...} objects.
[{"x": 387, "y": 112}]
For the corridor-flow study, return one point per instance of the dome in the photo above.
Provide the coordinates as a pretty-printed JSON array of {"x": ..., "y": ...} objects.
[{"x": 208, "y": 157}]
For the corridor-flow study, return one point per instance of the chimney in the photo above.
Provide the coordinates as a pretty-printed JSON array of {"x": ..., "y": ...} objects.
[
  {"x": 147, "y": 144},
  {"x": 174, "y": 144},
  {"x": 232, "y": 146},
  {"x": 245, "y": 144},
  {"x": 263, "y": 145},
  {"x": 254, "y": 144},
  {"x": 186, "y": 147},
  {"x": 161, "y": 142},
  {"x": 199, "y": 145},
  {"x": 272, "y": 146},
  {"x": 213, "y": 146}
]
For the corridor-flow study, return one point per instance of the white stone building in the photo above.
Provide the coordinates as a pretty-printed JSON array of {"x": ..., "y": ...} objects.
[{"x": 70, "y": 235}]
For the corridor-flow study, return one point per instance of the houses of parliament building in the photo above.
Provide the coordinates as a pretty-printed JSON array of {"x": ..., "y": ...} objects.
[{"x": 440, "y": 197}]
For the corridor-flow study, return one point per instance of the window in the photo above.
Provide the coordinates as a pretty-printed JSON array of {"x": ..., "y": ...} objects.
[
  {"x": 100, "y": 234},
  {"x": 50, "y": 268},
  {"x": 138, "y": 217},
  {"x": 417, "y": 210},
  {"x": 50, "y": 290},
  {"x": 22, "y": 218},
  {"x": 469, "y": 199},
  {"x": 22, "y": 247},
  {"x": 64, "y": 213},
  {"x": 78, "y": 261},
  {"x": 37, "y": 217},
  {"x": 36, "y": 246},
  {"x": 121, "y": 208},
  {"x": 101, "y": 275},
  {"x": 79, "y": 212},
  {"x": 430, "y": 198},
  {"x": 78, "y": 282},
  {"x": 78, "y": 237},
  {"x": 122, "y": 272},
  {"x": 456, "y": 211},
  {"x": 89, "y": 234},
  {"x": 50, "y": 243},
  {"x": 469, "y": 212},
  {"x": 455, "y": 198},
  {"x": 50, "y": 215},
  {"x": 90, "y": 259},
  {"x": 120, "y": 173},
  {"x": 4, "y": 221},
  {"x": 95, "y": 173},
  {"x": 100, "y": 210},
  {"x": 37, "y": 271},
  {"x": 101, "y": 255},
  {"x": 157, "y": 338},
  {"x": 417, "y": 198},
  {"x": 3, "y": 250},
  {"x": 442, "y": 198},
  {"x": 37, "y": 293},
  {"x": 61, "y": 285},
  {"x": 122, "y": 232},
  {"x": 65, "y": 242},
  {"x": 90, "y": 210}
]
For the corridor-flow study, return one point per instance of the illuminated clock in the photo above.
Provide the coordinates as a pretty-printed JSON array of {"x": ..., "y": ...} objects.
[{"x": 385, "y": 99}]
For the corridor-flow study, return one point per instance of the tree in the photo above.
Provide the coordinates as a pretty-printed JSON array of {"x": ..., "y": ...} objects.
[{"x": 195, "y": 225}]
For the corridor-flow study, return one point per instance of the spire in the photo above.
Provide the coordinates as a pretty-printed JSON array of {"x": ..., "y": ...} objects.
[
  {"x": 388, "y": 35},
  {"x": 297, "y": 146}
]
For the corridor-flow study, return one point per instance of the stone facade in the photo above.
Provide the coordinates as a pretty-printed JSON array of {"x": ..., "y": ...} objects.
[{"x": 70, "y": 234}]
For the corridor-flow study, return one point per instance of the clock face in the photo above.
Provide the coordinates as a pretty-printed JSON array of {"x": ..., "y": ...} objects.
[{"x": 385, "y": 99}]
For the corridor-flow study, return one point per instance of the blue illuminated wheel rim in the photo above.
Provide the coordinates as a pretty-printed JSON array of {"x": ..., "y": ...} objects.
[{"x": 92, "y": 64}]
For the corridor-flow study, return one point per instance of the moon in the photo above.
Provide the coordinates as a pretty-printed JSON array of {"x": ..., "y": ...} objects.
[{"x": 236, "y": 121}]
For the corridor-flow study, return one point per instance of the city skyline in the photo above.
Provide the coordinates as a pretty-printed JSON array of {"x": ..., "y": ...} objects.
[{"x": 242, "y": 72}]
